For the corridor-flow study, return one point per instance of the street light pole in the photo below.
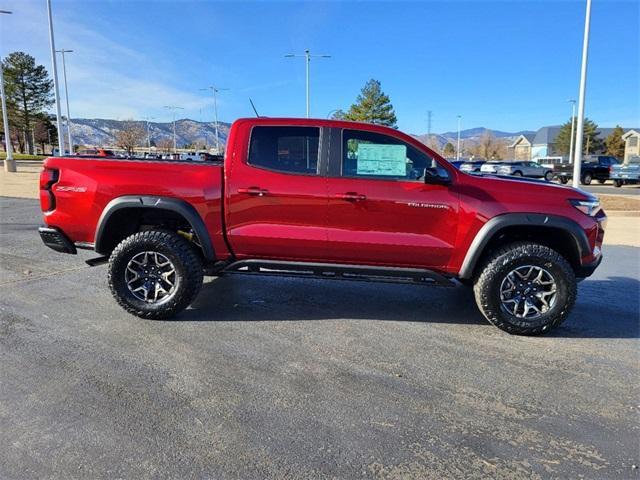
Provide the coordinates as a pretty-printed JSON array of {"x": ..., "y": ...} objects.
[
  {"x": 307, "y": 59},
  {"x": 173, "y": 109},
  {"x": 214, "y": 91},
  {"x": 577, "y": 163},
  {"x": 458, "y": 148},
  {"x": 56, "y": 90},
  {"x": 149, "y": 134},
  {"x": 573, "y": 121},
  {"x": 9, "y": 162},
  {"x": 66, "y": 94}
]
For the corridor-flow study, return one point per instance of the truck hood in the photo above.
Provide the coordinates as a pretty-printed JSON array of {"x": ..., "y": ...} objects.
[{"x": 523, "y": 184}]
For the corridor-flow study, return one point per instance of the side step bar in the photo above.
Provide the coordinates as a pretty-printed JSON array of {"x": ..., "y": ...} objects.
[{"x": 337, "y": 272}]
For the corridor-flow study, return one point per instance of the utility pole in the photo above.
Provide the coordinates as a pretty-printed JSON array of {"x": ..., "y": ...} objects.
[
  {"x": 9, "y": 162},
  {"x": 149, "y": 134},
  {"x": 66, "y": 94},
  {"x": 173, "y": 109},
  {"x": 56, "y": 90},
  {"x": 573, "y": 121},
  {"x": 307, "y": 60},
  {"x": 458, "y": 149},
  {"x": 577, "y": 163},
  {"x": 214, "y": 91},
  {"x": 429, "y": 112}
]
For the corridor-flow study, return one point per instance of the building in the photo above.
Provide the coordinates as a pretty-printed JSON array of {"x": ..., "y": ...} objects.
[
  {"x": 543, "y": 143},
  {"x": 522, "y": 147},
  {"x": 631, "y": 144}
]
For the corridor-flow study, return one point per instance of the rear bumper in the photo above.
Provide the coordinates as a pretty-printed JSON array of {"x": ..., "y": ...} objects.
[
  {"x": 56, "y": 240},
  {"x": 586, "y": 270}
]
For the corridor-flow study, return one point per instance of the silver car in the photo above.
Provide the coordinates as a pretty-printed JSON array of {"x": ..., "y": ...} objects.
[
  {"x": 525, "y": 169},
  {"x": 490, "y": 167}
]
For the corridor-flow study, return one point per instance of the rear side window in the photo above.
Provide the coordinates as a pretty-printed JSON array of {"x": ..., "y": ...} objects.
[{"x": 285, "y": 149}]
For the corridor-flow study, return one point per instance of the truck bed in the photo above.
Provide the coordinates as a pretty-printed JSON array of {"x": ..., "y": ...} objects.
[{"x": 87, "y": 184}]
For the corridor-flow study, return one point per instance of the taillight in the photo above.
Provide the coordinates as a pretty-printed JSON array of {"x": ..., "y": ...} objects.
[{"x": 48, "y": 177}]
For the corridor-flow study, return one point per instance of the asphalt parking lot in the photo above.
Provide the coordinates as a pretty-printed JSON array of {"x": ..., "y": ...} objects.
[{"x": 290, "y": 378}]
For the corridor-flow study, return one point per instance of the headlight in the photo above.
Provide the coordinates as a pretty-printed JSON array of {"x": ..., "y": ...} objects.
[{"x": 588, "y": 207}]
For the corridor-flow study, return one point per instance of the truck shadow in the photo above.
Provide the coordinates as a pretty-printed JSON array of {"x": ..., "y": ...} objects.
[{"x": 605, "y": 309}]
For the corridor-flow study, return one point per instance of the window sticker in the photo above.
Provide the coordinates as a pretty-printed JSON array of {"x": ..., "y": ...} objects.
[{"x": 382, "y": 160}]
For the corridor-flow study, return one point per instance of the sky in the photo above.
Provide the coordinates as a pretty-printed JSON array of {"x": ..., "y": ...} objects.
[{"x": 504, "y": 65}]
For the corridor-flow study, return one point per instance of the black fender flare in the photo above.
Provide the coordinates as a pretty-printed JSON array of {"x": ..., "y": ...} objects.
[
  {"x": 493, "y": 226},
  {"x": 176, "y": 205}
]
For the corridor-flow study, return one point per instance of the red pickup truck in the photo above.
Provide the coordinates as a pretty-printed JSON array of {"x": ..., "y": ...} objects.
[{"x": 330, "y": 199}]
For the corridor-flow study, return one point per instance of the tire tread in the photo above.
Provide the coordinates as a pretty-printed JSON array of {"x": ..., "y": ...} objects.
[
  {"x": 183, "y": 250},
  {"x": 506, "y": 254}
]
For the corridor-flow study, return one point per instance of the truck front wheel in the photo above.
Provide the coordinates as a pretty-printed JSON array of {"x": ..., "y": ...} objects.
[
  {"x": 155, "y": 274},
  {"x": 526, "y": 288}
]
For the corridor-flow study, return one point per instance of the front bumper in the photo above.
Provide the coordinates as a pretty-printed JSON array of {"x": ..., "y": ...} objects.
[{"x": 56, "y": 240}]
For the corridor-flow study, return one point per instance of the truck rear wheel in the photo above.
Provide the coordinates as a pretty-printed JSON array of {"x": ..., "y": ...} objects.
[
  {"x": 526, "y": 289},
  {"x": 586, "y": 179},
  {"x": 155, "y": 274}
]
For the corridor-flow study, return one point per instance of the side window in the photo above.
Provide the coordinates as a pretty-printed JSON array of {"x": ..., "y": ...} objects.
[
  {"x": 285, "y": 149},
  {"x": 372, "y": 155}
]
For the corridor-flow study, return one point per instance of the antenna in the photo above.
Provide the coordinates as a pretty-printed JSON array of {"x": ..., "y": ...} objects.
[{"x": 254, "y": 107}]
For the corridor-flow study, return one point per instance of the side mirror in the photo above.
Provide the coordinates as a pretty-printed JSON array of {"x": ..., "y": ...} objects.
[{"x": 431, "y": 177}]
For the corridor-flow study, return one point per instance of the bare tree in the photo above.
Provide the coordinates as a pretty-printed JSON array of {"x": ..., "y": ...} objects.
[
  {"x": 489, "y": 147},
  {"x": 165, "y": 145},
  {"x": 130, "y": 136}
]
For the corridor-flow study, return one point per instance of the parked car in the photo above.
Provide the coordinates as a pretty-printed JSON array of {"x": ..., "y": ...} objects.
[
  {"x": 526, "y": 169},
  {"x": 96, "y": 152},
  {"x": 472, "y": 166},
  {"x": 594, "y": 167},
  {"x": 627, "y": 173},
  {"x": 490, "y": 166},
  {"x": 376, "y": 206}
]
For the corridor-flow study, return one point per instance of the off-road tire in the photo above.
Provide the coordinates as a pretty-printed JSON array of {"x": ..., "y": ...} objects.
[
  {"x": 178, "y": 250},
  {"x": 494, "y": 269}
]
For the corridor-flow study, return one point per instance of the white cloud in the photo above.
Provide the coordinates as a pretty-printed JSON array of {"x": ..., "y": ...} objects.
[{"x": 107, "y": 79}]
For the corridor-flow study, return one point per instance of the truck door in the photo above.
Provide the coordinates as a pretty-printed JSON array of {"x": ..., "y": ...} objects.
[
  {"x": 277, "y": 194},
  {"x": 381, "y": 210}
]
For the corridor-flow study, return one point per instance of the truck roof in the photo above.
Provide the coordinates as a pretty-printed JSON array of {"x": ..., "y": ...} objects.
[{"x": 332, "y": 123}]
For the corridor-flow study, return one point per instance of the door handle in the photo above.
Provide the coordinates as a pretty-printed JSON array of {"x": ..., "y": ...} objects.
[
  {"x": 255, "y": 191},
  {"x": 351, "y": 196}
]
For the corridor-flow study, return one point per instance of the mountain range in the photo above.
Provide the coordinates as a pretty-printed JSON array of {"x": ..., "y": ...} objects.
[{"x": 102, "y": 132}]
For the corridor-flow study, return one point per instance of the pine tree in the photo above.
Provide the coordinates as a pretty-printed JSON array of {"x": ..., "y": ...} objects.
[
  {"x": 449, "y": 150},
  {"x": 615, "y": 143},
  {"x": 29, "y": 91},
  {"x": 372, "y": 106},
  {"x": 591, "y": 143}
]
